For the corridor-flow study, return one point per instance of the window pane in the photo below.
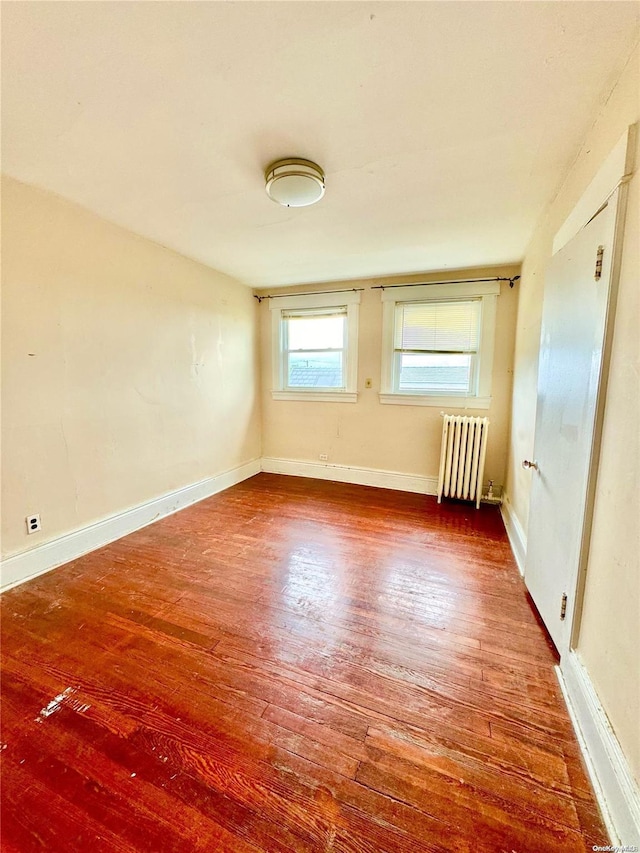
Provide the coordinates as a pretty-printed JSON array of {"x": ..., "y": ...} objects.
[
  {"x": 316, "y": 332},
  {"x": 452, "y": 326},
  {"x": 439, "y": 373},
  {"x": 315, "y": 370}
]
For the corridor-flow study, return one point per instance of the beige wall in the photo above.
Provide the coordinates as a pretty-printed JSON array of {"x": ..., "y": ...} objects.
[
  {"x": 128, "y": 371},
  {"x": 367, "y": 434},
  {"x": 610, "y": 631}
]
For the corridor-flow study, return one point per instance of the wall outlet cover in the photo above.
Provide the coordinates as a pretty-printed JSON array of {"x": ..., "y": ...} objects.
[{"x": 33, "y": 523}]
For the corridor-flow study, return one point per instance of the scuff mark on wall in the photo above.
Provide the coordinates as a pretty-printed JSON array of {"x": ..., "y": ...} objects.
[
  {"x": 197, "y": 365},
  {"x": 71, "y": 475}
]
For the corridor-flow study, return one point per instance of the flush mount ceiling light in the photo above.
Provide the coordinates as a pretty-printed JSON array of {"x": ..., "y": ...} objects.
[{"x": 294, "y": 182}]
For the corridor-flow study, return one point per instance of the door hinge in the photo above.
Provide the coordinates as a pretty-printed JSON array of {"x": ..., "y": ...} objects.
[
  {"x": 563, "y": 606},
  {"x": 598, "y": 272}
]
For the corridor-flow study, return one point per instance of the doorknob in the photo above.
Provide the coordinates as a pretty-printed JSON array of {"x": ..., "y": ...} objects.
[{"x": 527, "y": 464}]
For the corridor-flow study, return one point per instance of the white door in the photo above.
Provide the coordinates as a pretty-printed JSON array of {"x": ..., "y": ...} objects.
[{"x": 574, "y": 318}]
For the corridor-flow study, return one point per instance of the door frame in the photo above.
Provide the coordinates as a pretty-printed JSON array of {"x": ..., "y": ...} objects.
[{"x": 608, "y": 187}]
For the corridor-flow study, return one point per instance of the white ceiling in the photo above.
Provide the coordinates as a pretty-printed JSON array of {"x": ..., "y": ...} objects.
[{"x": 443, "y": 127}]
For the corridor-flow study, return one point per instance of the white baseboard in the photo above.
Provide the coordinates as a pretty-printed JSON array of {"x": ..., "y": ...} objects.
[
  {"x": 352, "y": 474},
  {"x": 36, "y": 561},
  {"x": 517, "y": 536},
  {"x": 616, "y": 790}
]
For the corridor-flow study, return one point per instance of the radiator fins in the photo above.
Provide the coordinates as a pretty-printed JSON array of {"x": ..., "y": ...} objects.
[{"x": 462, "y": 455}]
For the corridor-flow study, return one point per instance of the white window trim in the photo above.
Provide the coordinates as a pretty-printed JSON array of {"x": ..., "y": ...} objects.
[
  {"x": 320, "y": 300},
  {"x": 452, "y": 402},
  {"x": 489, "y": 292}
]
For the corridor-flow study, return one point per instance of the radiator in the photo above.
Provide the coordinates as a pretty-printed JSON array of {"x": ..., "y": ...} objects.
[{"x": 464, "y": 447}]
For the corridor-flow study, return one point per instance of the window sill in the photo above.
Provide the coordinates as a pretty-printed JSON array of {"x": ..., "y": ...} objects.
[
  {"x": 317, "y": 396},
  {"x": 433, "y": 400}
]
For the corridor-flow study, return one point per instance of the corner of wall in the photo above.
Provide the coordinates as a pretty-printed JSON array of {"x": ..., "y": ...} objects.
[{"x": 515, "y": 532}]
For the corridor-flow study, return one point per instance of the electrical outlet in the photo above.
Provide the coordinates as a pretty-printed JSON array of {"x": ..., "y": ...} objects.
[
  {"x": 323, "y": 457},
  {"x": 367, "y": 383},
  {"x": 33, "y": 523}
]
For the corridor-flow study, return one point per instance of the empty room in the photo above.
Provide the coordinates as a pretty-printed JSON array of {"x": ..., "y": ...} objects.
[{"x": 320, "y": 446}]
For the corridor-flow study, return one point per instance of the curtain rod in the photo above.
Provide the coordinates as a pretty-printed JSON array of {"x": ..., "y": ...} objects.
[
  {"x": 307, "y": 293},
  {"x": 511, "y": 281}
]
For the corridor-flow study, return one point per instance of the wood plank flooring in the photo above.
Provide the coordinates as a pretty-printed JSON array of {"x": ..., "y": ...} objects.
[{"x": 291, "y": 665}]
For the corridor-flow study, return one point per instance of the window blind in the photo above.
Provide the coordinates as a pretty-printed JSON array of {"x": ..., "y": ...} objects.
[
  {"x": 339, "y": 311},
  {"x": 452, "y": 326},
  {"x": 315, "y": 329}
]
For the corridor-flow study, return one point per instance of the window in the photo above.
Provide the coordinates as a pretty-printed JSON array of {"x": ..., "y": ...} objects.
[
  {"x": 438, "y": 344},
  {"x": 313, "y": 344},
  {"x": 436, "y": 347},
  {"x": 315, "y": 347}
]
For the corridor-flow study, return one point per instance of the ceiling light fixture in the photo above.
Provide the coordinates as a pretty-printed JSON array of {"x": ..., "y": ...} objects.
[{"x": 294, "y": 182}]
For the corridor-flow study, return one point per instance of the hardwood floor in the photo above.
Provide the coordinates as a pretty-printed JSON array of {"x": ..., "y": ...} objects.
[{"x": 291, "y": 665}]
